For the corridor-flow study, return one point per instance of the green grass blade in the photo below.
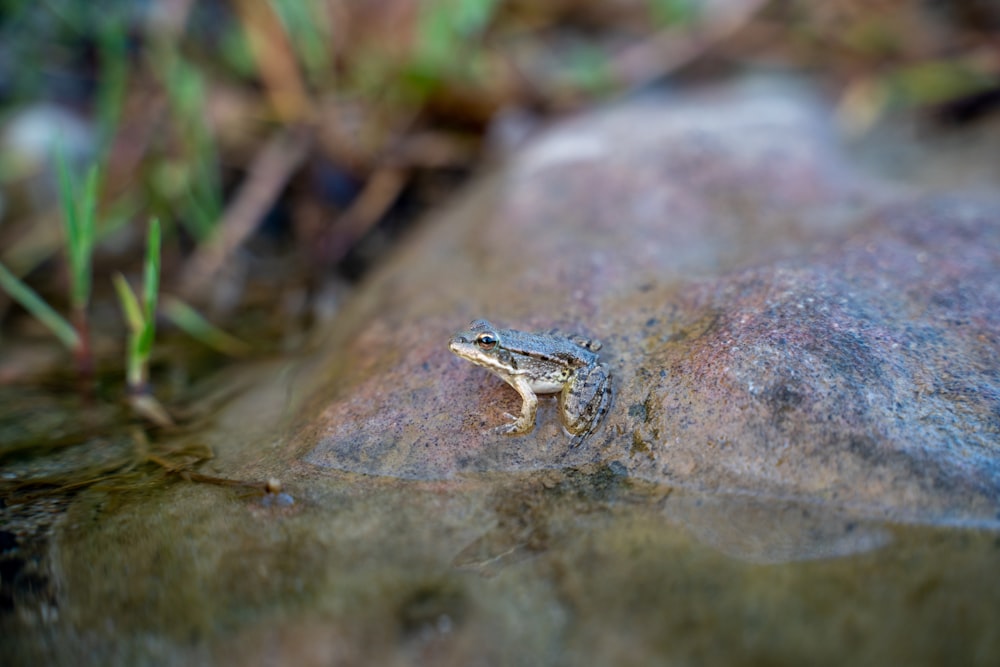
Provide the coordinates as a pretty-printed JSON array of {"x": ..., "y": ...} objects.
[
  {"x": 151, "y": 272},
  {"x": 191, "y": 322},
  {"x": 41, "y": 311},
  {"x": 135, "y": 372},
  {"x": 306, "y": 24},
  {"x": 130, "y": 305},
  {"x": 79, "y": 218},
  {"x": 150, "y": 290},
  {"x": 112, "y": 41},
  {"x": 135, "y": 361},
  {"x": 67, "y": 198},
  {"x": 84, "y": 248},
  {"x": 198, "y": 216},
  {"x": 200, "y": 201},
  {"x": 141, "y": 319},
  {"x": 144, "y": 341}
]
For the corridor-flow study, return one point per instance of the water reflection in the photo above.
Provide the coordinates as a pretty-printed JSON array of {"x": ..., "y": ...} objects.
[{"x": 761, "y": 530}]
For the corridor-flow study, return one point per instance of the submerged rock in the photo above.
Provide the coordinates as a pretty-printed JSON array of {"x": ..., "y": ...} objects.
[{"x": 775, "y": 325}]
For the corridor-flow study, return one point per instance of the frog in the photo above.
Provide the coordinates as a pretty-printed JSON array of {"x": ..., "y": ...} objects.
[{"x": 542, "y": 363}]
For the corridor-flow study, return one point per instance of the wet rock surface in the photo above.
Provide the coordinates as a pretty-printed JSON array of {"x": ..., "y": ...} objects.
[
  {"x": 863, "y": 374},
  {"x": 775, "y": 326}
]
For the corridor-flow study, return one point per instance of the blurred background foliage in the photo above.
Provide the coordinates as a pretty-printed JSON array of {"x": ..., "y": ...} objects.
[{"x": 284, "y": 145}]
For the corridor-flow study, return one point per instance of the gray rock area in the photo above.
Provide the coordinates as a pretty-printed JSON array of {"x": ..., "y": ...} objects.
[{"x": 775, "y": 326}]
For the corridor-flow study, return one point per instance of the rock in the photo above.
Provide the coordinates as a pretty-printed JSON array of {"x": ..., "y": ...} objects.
[
  {"x": 775, "y": 326},
  {"x": 860, "y": 374}
]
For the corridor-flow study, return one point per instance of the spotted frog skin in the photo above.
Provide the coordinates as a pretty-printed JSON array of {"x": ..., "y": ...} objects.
[{"x": 542, "y": 363}]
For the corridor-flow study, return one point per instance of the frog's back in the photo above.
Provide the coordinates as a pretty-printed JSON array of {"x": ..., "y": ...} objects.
[{"x": 567, "y": 350}]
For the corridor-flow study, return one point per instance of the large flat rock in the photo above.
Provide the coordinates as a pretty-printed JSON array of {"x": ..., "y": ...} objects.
[{"x": 777, "y": 324}]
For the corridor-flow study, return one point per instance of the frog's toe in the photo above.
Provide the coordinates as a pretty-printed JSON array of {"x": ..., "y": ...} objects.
[{"x": 513, "y": 427}]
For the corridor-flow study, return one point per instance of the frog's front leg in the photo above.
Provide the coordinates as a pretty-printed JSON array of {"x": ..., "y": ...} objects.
[
  {"x": 584, "y": 401},
  {"x": 526, "y": 421}
]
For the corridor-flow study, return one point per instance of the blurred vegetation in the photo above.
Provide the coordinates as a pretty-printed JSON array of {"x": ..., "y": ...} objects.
[{"x": 285, "y": 144}]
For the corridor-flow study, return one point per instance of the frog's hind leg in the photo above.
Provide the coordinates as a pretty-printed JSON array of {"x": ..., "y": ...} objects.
[
  {"x": 586, "y": 343},
  {"x": 583, "y": 404}
]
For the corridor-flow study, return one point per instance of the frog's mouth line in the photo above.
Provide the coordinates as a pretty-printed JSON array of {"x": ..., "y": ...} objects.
[{"x": 467, "y": 350}]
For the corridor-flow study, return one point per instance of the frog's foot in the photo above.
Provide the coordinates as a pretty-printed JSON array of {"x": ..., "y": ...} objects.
[
  {"x": 584, "y": 404},
  {"x": 515, "y": 427},
  {"x": 524, "y": 422}
]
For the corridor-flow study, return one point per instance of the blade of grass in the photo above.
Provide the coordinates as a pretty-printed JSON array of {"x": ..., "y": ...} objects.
[
  {"x": 43, "y": 240},
  {"x": 191, "y": 322},
  {"x": 130, "y": 304},
  {"x": 84, "y": 250},
  {"x": 79, "y": 216},
  {"x": 41, "y": 311},
  {"x": 141, "y": 320},
  {"x": 200, "y": 207},
  {"x": 269, "y": 172},
  {"x": 308, "y": 22},
  {"x": 135, "y": 364},
  {"x": 200, "y": 200},
  {"x": 445, "y": 29},
  {"x": 135, "y": 361},
  {"x": 151, "y": 272},
  {"x": 67, "y": 196},
  {"x": 67, "y": 193},
  {"x": 150, "y": 288},
  {"x": 114, "y": 65}
]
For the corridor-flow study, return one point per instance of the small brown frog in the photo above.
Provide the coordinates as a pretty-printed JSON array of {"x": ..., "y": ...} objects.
[{"x": 542, "y": 363}]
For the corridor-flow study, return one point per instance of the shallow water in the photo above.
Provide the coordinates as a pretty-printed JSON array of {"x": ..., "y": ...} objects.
[{"x": 564, "y": 568}]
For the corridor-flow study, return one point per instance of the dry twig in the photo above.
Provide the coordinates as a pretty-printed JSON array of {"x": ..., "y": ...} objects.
[{"x": 270, "y": 171}]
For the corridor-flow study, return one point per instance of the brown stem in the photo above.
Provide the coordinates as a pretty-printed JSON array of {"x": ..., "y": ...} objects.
[{"x": 83, "y": 354}]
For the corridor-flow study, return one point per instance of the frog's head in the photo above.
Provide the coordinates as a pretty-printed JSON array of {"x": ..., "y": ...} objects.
[{"x": 480, "y": 343}]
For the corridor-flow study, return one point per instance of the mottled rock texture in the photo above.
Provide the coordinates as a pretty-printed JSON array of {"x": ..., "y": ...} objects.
[
  {"x": 864, "y": 373},
  {"x": 776, "y": 324}
]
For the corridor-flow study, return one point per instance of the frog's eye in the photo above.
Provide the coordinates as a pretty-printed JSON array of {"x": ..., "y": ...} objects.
[{"x": 486, "y": 341}]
